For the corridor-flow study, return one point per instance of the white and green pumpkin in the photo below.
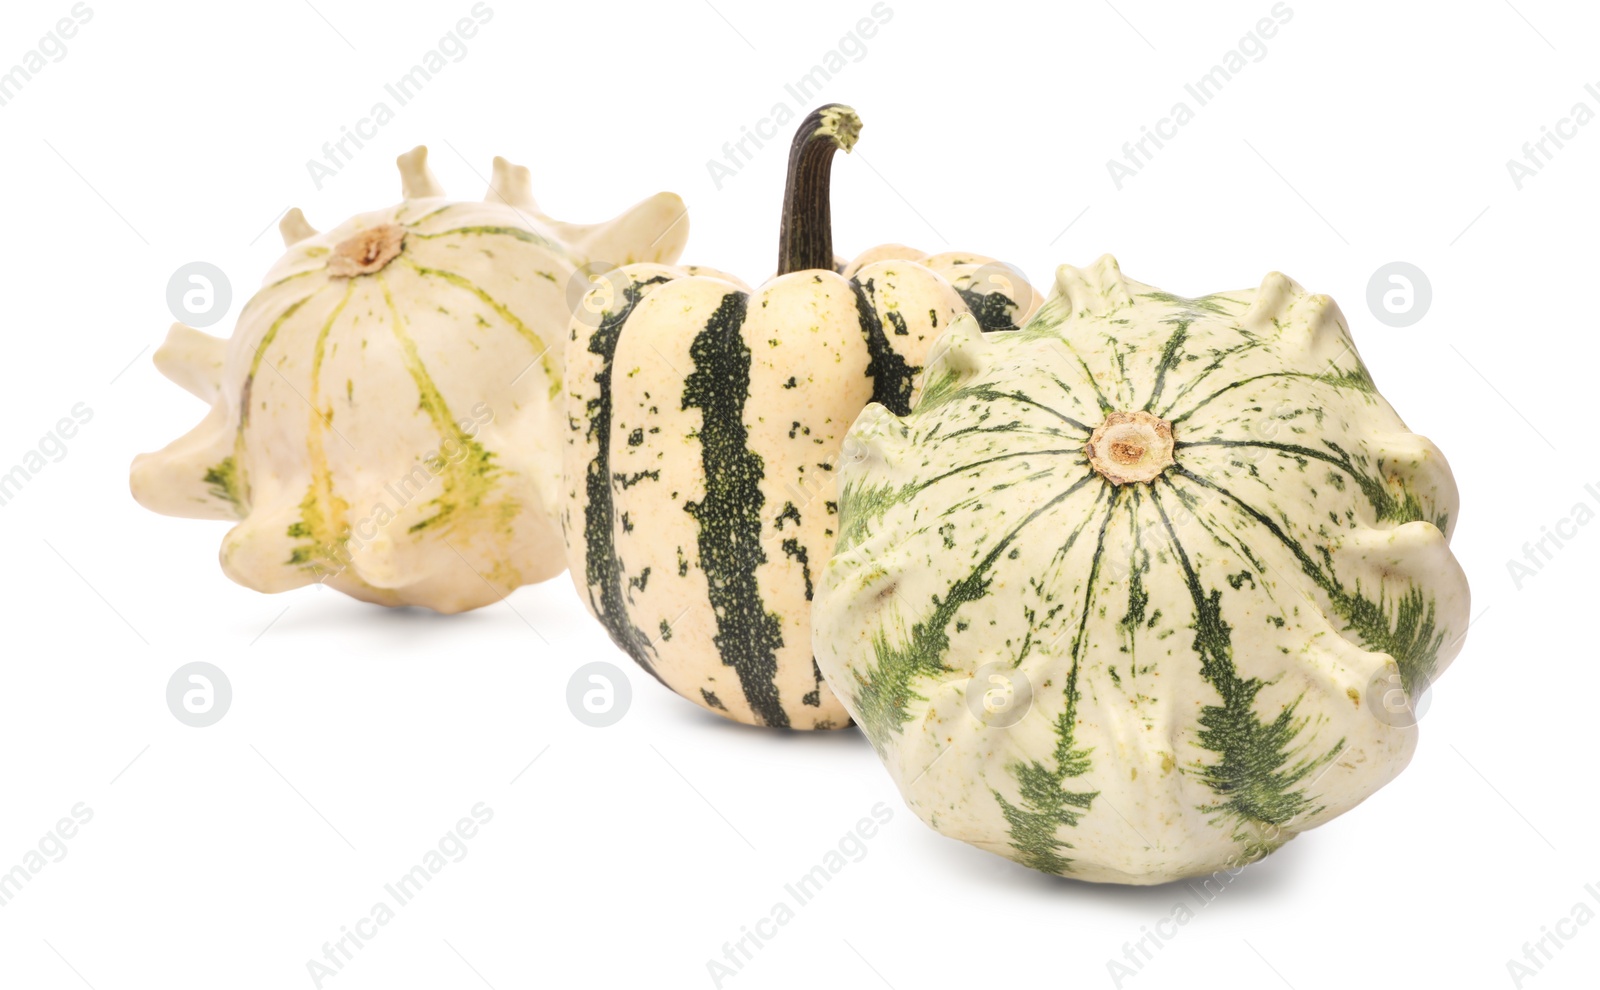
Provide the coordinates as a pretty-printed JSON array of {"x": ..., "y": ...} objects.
[
  {"x": 387, "y": 415},
  {"x": 1139, "y": 591},
  {"x": 707, "y": 421}
]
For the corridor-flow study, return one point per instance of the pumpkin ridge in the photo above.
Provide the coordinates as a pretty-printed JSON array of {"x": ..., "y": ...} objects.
[
  {"x": 1385, "y": 506},
  {"x": 860, "y": 510},
  {"x": 465, "y": 481},
  {"x": 1227, "y": 536},
  {"x": 260, "y": 296},
  {"x": 540, "y": 348},
  {"x": 493, "y": 230},
  {"x": 883, "y": 709},
  {"x": 322, "y": 513},
  {"x": 1106, "y": 405},
  {"x": 1356, "y": 379},
  {"x": 441, "y": 208},
  {"x": 1047, "y": 806},
  {"x": 1246, "y": 746},
  {"x": 1170, "y": 356},
  {"x": 241, "y": 470},
  {"x": 1202, "y": 303},
  {"x": 989, "y": 393},
  {"x": 1219, "y": 360},
  {"x": 1409, "y": 639},
  {"x": 602, "y": 570}
]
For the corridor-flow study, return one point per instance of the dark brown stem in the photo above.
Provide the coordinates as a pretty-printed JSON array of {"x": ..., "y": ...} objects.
[{"x": 805, "y": 236}]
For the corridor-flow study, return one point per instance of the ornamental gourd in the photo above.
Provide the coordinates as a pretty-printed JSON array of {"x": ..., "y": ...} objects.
[
  {"x": 387, "y": 415},
  {"x": 707, "y": 420},
  {"x": 1139, "y": 591}
]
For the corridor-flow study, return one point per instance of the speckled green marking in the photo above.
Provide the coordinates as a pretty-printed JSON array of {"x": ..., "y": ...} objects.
[
  {"x": 310, "y": 528},
  {"x": 813, "y": 698},
  {"x": 1386, "y": 505},
  {"x": 1410, "y": 636},
  {"x": 861, "y": 505},
  {"x": 241, "y": 477},
  {"x": 729, "y": 516},
  {"x": 1171, "y": 358},
  {"x": 494, "y": 231},
  {"x": 793, "y": 550},
  {"x": 541, "y": 350},
  {"x": 467, "y": 478},
  {"x": 263, "y": 296},
  {"x": 603, "y": 573},
  {"x": 883, "y": 694},
  {"x": 1355, "y": 379},
  {"x": 992, "y": 310},
  {"x": 1046, "y": 804},
  {"x": 436, "y": 211},
  {"x": 1258, "y": 770},
  {"x": 892, "y": 377},
  {"x": 322, "y": 512},
  {"x": 1217, "y": 305},
  {"x": 223, "y": 480}
]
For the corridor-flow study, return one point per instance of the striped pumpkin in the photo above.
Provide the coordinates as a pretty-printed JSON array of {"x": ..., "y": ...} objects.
[
  {"x": 1140, "y": 591},
  {"x": 707, "y": 421},
  {"x": 387, "y": 415}
]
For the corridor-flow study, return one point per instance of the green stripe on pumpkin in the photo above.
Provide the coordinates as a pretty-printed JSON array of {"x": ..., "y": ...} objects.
[
  {"x": 748, "y": 636},
  {"x": 602, "y": 571}
]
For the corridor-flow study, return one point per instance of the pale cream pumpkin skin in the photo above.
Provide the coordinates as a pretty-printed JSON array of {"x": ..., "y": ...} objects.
[
  {"x": 386, "y": 417},
  {"x": 1140, "y": 591}
]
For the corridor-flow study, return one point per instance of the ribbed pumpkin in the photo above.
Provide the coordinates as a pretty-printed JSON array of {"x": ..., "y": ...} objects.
[
  {"x": 1130, "y": 593},
  {"x": 387, "y": 415},
  {"x": 707, "y": 420}
]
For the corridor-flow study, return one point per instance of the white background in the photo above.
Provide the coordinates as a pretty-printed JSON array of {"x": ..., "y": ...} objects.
[{"x": 226, "y": 856}]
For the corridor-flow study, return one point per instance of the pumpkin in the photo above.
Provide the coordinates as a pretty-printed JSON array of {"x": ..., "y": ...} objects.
[
  {"x": 386, "y": 418},
  {"x": 1140, "y": 591},
  {"x": 707, "y": 419}
]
